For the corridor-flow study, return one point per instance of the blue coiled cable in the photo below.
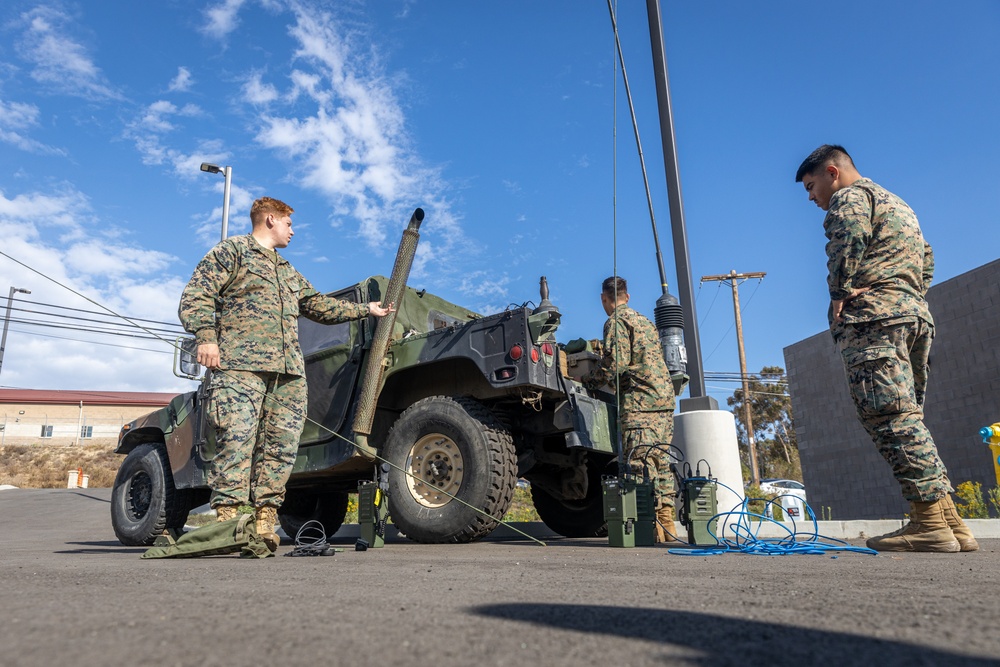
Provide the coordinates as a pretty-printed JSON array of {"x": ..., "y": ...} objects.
[{"x": 745, "y": 540}]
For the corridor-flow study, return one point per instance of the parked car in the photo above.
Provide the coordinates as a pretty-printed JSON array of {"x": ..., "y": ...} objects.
[{"x": 791, "y": 496}]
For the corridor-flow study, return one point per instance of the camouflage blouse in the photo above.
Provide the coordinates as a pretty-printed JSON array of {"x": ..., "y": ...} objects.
[
  {"x": 632, "y": 351},
  {"x": 875, "y": 241},
  {"x": 247, "y": 299}
]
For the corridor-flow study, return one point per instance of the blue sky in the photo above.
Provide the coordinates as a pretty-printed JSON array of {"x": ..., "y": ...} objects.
[{"x": 505, "y": 121}]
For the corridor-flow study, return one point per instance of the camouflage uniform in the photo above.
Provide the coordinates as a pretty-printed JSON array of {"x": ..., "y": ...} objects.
[
  {"x": 247, "y": 299},
  {"x": 885, "y": 337},
  {"x": 632, "y": 352}
]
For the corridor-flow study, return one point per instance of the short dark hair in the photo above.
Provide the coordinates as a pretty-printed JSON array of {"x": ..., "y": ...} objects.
[
  {"x": 820, "y": 157},
  {"x": 614, "y": 286}
]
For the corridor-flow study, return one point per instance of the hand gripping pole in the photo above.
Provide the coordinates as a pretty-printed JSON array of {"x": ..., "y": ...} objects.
[{"x": 375, "y": 365}]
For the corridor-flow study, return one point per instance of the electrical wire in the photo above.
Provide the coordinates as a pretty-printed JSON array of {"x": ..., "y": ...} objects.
[
  {"x": 94, "y": 342},
  {"x": 745, "y": 536},
  {"x": 311, "y": 540},
  {"x": 94, "y": 330},
  {"x": 89, "y": 312},
  {"x": 705, "y": 315}
]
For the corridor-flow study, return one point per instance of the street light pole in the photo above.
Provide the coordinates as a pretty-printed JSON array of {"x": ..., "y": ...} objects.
[
  {"x": 6, "y": 319},
  {"x": 227, "y": 173}
]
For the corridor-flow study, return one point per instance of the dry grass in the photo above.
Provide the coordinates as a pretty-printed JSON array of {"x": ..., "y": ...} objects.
[{"x": 47, "y": 466}]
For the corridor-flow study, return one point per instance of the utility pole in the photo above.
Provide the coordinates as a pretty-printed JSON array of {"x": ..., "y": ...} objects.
[{"x": 733, "y": 279}]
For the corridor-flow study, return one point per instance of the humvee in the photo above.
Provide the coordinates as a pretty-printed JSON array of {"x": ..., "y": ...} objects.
[{"x": 469, "y": 404}]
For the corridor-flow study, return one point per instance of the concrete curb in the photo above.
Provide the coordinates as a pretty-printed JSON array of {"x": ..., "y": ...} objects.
[
  {"x": 860, "y": 529},
  {"x": 840, "y": 530}
]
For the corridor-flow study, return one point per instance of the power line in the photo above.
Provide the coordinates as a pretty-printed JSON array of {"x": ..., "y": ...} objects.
[
  {"x": 88, "y": 319},
  {"x": 90, "y": 312},
  {"x": 94, "y": 342},
  {"x": 94, "y": 330}
]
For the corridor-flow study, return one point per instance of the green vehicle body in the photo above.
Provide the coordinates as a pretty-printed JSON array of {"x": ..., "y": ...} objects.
[{"x": 506, "y": 373}]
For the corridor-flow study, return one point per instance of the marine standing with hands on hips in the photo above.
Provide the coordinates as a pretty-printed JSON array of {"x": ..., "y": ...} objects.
[
  {"x": 632, "y": 353},
  {"x": 242, "y": 304},
  {"x": 880, "y": 268}
]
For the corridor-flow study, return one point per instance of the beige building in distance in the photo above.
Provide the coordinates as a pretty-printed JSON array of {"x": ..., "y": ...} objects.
[{"x": 53, "y": 417}]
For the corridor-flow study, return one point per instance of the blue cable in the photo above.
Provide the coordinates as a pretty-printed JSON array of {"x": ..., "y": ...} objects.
[{"x": 745, "y": 539}]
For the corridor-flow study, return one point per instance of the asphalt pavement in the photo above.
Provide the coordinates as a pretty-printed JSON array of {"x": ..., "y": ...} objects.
[{"x": 71, "y": 594}]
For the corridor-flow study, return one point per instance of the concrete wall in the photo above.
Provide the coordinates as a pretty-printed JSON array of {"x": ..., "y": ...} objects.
[{"x": 841, "y": 468}]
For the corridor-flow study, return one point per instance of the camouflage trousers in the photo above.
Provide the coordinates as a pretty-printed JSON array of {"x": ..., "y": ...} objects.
[
  {"x": 886, "y": 364},
  {"x": 258, "y": 419},
  {"x": 646, "y": 437}
]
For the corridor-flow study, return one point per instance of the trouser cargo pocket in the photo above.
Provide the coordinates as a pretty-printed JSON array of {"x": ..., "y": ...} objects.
[{"x": 880, "y": 384}]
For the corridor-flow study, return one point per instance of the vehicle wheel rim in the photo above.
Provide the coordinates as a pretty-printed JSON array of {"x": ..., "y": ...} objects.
[
  {"x": 435, "y": 466},
  {"x": 140, "y": 495}
]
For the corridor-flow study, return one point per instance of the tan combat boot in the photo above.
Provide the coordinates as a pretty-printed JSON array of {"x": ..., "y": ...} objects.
[
  {"x": 226, "y": 512},
  {"x": 927, "y": 531},
  {"x": 266, "y": 518},
  {"x": 962, "y": 533},
  {"x": 666, "y": 531}
]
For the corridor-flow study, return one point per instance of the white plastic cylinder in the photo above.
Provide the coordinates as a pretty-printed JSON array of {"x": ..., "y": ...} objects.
[
  {"x": 84, "y": 481},
  {"x": 74, "y": 475},
  {"x": 709, "y": 436}
]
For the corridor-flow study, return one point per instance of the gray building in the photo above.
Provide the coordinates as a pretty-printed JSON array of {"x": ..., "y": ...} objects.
[{"x": 841, "y": 468}]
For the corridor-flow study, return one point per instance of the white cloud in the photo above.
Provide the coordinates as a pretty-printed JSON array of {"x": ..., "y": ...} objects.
[
  {"x": 182, "y": 82},
  {"x": 257, "y": 92},
  {"x": 208, "y": 227},
  {"x": 154, "y": 118},
  {"x": 64, "y": 209},
  {"x": 352, "y": 146},
  {"x": 145, "y": 133},
  {"x": 58, "y": 60},
  {"x": 95, "y": 258},
  {"x": 94, "y": 273},
  {"x": 16, "y": 117},
  {"x": 222, "y": 19}
]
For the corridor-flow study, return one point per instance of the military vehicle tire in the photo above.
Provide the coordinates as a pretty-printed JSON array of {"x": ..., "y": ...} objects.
[
  {"x": 144, "y": 501},
  {"x": 573, "y": 518},
  {"x": 329, "y": 508},
  {"x": 457, "y": 445}
]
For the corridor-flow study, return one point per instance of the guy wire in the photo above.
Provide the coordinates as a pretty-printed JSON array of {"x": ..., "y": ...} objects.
[{"x": 294, "y": 410}]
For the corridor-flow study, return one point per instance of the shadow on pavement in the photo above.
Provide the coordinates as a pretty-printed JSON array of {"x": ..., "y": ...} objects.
[
  {"x": 91, "y": 496},
  {"x": 104, "y": 547},
  {"x": 724, "y": 640}
]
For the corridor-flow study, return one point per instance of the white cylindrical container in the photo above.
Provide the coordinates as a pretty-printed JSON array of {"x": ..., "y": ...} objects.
[
  {"x": 84, "y": 481},
  {"x": 74, "y": 475},
  {"x": 708, "y": 441}
]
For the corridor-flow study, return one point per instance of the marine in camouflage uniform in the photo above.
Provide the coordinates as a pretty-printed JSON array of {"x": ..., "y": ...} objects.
[
  {"x": 632, "y": 354},
  {"x": 879, "y": 269},
  {"x": 243, "y": 301}
]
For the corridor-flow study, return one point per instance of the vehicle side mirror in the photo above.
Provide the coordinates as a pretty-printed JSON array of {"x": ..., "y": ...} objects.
[{"x": 186, "y": 359}]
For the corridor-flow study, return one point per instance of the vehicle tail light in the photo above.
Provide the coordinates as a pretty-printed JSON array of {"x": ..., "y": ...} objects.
[
  {"x": 534, "y": 355},
  {"x": 516, "y": 352}
]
